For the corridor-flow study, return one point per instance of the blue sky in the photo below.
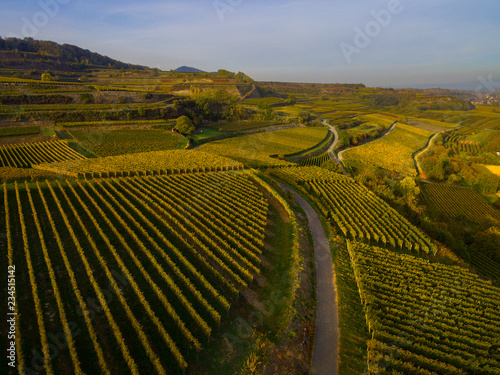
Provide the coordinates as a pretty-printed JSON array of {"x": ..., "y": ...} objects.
[{"x": 422, "y": 41}]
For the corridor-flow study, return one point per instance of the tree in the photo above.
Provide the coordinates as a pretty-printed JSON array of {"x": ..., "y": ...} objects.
[
  {"x": 87, "y": 98},
  {"x": 487, "y": 242},
  {"x": 345, "y": 138},
  {"x": 433, "y": 168},
  {"x": 184, "y": 125},
  {"x": 225, "y": 73},
  {"x": 240, "y": 76},
  {"x": 155, "y": 72},
  {"x": 304, "y": 116},
  {"x": 292, "y": 99},
  {"x": 215, "y": 105},
  {"x": 410, "y": 191},
  {"x": 46, "y": 77},
  {"x": 486, "y": 182}
]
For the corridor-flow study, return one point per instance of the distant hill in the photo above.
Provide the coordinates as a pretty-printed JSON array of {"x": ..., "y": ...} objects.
[
  {"x": 29, "y": 53},
  {"x": 188, "y": 69},
  {"x": 480, "y": 85}
]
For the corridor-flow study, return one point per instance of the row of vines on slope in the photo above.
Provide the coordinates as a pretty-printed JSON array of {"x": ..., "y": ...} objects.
[
  {"x": 358, "y": 212},
  {"x": 153, "y": 265},
  {"x": 425, "y": 317},
  {"x": 26, "y": 155}
]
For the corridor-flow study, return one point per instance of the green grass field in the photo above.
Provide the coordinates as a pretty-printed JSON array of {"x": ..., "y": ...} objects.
[
  {"x": 202, "y": 134},
  {"x": 235, "y": 126}
]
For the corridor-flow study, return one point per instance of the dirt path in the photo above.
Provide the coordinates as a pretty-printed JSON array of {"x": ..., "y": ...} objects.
[
  {"x": 335, "y": 133},
  {"x": 333, "y": 145},
  {"x": 326, "y": 339},
  {"x": 423, "y": 151},
  {"x": 387, "y": 133}
]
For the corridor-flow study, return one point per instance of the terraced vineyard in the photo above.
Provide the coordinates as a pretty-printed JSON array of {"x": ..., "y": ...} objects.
[
  {"x": 141, "y": 164},
  {"x": 168, "y": 254},
  {"x": 357, "y": 211},
  {"x": 97, "y": 124},
  {"x": 424, "y": 317},
  {"x": 299, "y": 175},
  {"x": 19, "y": 130},
  {"x": 457, "y": 143},
  {"x": 103, "y": 142},
  {"x": 455, "y": 201},
  {"x": 323, "y": 161},
  {"x": 141, "y": 270},
  {"x": 315, "y": 160},
  {"x": 27, "y": 155}
]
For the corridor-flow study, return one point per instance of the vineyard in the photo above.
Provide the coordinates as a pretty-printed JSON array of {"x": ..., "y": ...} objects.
[
  {"x": 140, "y": 250},
  {"x": 27, "y": 155},
  {"x": 256, "y": 150},
  {"x": 315, "y": 160},
  {"x": 299, "y": 175},
  {"x": 141, "y": 270},
  {"x": 457, "y": 143},
  {"x": 323, "y": 161},
  {"x": 424, "y": 317},
  {"x": 103, "y": 142},
  {"x": 143, "y": 164},
  {"x": 357, "y": 211},
  {"x": 454, "y": 202},
  {"x": 19, "y": 130},
  {"x": 97, "y": 124},
  {"x": 393, "y": 152}
]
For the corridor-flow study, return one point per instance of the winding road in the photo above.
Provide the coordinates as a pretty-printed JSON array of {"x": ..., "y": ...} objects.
[
  {"x": 424, "y": 150},
  {"x": 334, "y": 144},
  {"x": 326, "y": 339}
]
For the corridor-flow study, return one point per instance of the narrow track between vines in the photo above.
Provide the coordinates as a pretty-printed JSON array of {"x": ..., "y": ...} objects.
[{"x": 326, "y": 339}]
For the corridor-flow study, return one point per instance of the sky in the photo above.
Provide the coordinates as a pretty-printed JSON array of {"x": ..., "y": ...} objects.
[{"x": 386, "y": 43}]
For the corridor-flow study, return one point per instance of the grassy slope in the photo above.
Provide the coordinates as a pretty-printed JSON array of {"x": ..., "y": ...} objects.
[
  {"x": 393, "y": 152},
  {"x": 352, "y": 323},
  {"x": 254, "y": 150}
]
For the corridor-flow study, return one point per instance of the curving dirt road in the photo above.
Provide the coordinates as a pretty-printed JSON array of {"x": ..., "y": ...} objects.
[
  {"x": 424, "y": 150},
  {"x": 334, "y": 144},
  {"x": 326, "y": 339},
  {"x": 335, "y": 133}
]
